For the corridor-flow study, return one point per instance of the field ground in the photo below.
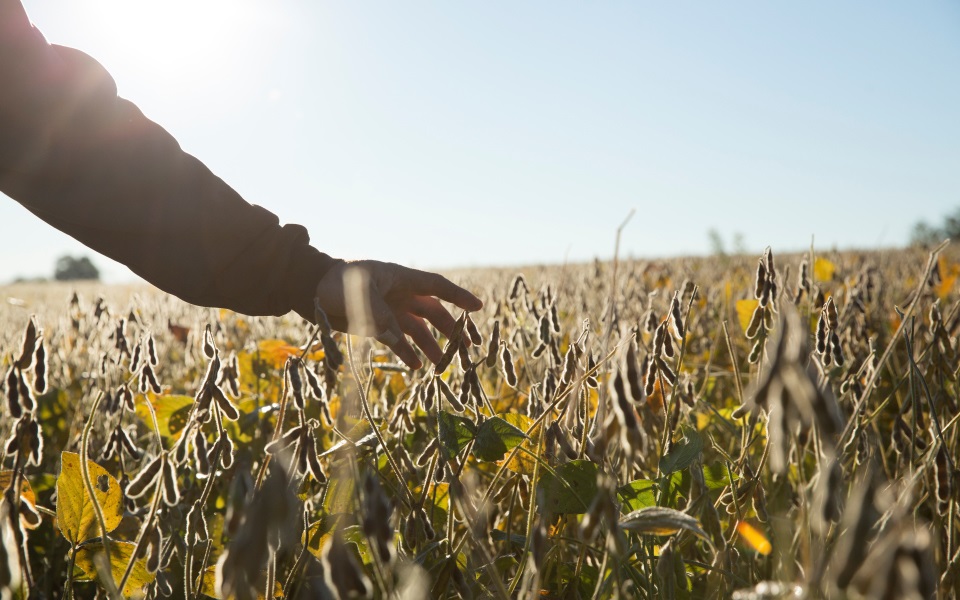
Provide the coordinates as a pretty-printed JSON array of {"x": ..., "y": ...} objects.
[{"x": 749, "y": 427}]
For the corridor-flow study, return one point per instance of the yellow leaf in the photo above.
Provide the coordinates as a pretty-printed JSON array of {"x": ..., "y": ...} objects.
[
  {"x": 823, "y": 269},
  {"x": 172, "y": 413},
  {"x": 76, "y": 515},
  {"x": 948, "y": 277},
  {"x": 754, "y": 538},
  {"x": 745, "y": 310},
  {"x": 26, "y": 495},
  {"x": 276, "y": 352},
  {"x": 120, "y": 552},
  {"x": 26, "y": 492}
]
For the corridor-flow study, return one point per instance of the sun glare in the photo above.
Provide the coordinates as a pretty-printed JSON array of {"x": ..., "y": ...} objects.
[{"x": 172, "y": 38}]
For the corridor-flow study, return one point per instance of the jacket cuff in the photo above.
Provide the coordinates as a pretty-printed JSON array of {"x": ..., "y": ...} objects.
[{"x": 302, "y": 278}]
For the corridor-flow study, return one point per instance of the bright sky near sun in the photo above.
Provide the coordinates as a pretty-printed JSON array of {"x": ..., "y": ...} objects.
[{"x": 443, "y": 134}]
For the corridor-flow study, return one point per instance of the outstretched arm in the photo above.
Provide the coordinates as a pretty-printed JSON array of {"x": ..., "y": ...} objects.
[{"x": 92, "y": 165}]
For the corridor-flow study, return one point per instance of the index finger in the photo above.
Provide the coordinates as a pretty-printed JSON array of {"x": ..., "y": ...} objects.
[{"x": 423, "y": 283}]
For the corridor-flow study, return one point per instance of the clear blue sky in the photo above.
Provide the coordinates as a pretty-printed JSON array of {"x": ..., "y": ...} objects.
[{"x": 442, "y": 134}]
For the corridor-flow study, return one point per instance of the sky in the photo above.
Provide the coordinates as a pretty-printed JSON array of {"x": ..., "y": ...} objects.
[{"x": 451, "y": 134}]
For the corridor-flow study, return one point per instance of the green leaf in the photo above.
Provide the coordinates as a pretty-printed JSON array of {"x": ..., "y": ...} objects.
[
  {"x": 683, "y": 453},
  {"x": 120, "y": 552},
  {"x": 455, "y": 433},
  {"x": 322, "y": 531},
  {"x": 717, "y": 476},
  {"x": 638, "y": 494},
  {"x": 76, "y": 515},
  {"x": 172, "y": 413},
  {"x": 515, "y": 539},
  {"x": 642, "y": 493},
  {"x": 495, "y": 438},
  {"x": 340, "y": 495},
  {"x": 573, "y": 492}
]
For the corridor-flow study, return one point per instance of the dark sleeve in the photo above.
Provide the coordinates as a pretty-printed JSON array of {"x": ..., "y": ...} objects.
[{"x": 93, "y": 166}]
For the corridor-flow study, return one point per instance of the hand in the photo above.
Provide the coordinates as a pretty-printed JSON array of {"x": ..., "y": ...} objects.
[{"x": 389, "y": 302}]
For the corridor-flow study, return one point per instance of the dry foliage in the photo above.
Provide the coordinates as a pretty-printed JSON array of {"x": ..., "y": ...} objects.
[{"x": 781, "y": 428}]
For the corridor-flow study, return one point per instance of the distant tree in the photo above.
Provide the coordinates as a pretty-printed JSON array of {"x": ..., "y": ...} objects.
[
  {"x": 719, "y": 248},
  {"x": 951, "y": 225},
  {"x": 925, "y": 235},
  {"x": 69, "y": 268}
]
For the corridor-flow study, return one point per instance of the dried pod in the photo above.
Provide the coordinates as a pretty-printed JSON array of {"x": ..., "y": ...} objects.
[
  {"x": 127, "y": 398},
  {"x": 755, "y": 352},
  {"x": 313, "y": 383},
  {"x": 427, "y": 394},
  {"x": 659, "y": 339},
  {"x": 452, "y": 346},
  {"x": 519, "y": 284},
  {"x": 667, "y": 372},
  {"x": 127, "y": 444},
  {"x": 40, "y": 369},
  {"x": 837, "y": 349},
  {"x": 633, "y": 374},
  {"x": 506, "y": 366},
  {"x": 463, "y": 355},
  {"x": 148, "y": 381},
  {"x": 822, "y": 334},
  {"x": 427, "y": 453},
  {"x": 591, "y": 379},
  {"x": 145, "y": 477},
  {"x": 313, "y": 460},
  {"x": 472, "y": 332},
  {"x": 650, "y": 378},
  {"x": 756, "y": 320},
  {"x": 209, "y": 347},
  {"x": 26, "y": 394},
  {"x": 333, "y": 358},
  {"x": 137, "y": 356},
  {"x": 28, "y": 346},
  {"x": 296, "y": 383},
  {"x": 154, "y": 544},
  {"x": 168, "y": 477},
  {"x": 445, "y": 390},
  {"x": 227, "y": 409},
  {"x": 13, "y": 393},
  {"x": 494, "y": 345},
  {"x": 284, "y": 441},
  {"x": 34, "y": 442},
  {"x": 761, "y": 280},
  {"x": 668, "y": 349},
  {"x": 943, "y": 480},
  {"x": 833, "y": 317},
  {"x": 458, "y": 403},
  {"x": 676, "y": 318},
  {"x": 200, "y": 452},
  {"x": 152, "y": 351}
]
